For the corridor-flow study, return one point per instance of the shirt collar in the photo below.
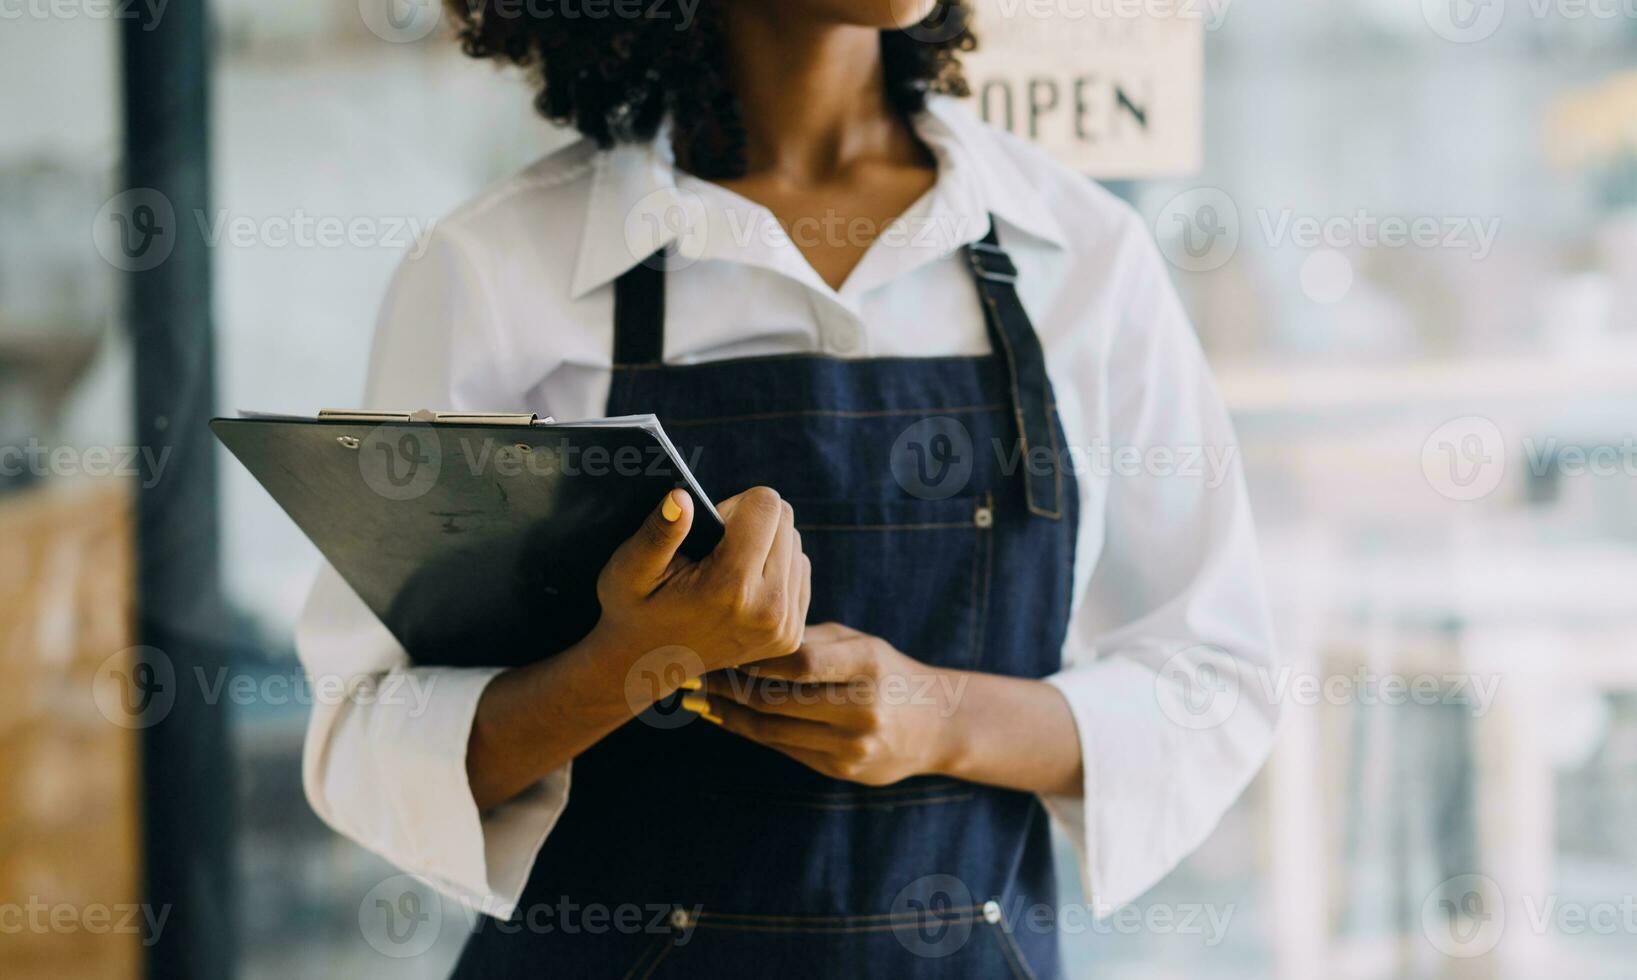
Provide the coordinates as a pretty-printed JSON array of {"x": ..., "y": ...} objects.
[{"x": 636, "y": 206}]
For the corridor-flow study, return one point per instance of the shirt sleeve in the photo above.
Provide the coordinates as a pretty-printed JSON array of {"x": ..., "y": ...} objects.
[
  {"x": 385, "y": 756},
  {"x": 1170, "y": 639}
]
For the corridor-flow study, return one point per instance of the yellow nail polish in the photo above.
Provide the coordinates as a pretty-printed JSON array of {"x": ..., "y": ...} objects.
[
  {"x": 671, "y": 510},
  {"x": 693, "y": 684},
  {"x": 697, "y": 703},
  {"x": 713, "y": 719}
]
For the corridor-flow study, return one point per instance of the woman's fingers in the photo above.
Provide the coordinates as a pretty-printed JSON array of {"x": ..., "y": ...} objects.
[
  {"x": 829, "y": 654},
  {"x": 795, "y": 589},
  {"x": 806, "y": 569},
  {"x": 777, "y": 730},
  {"x": 811, "y": 702},
  {"x": 776, "y": 568},
  {"x": 751, "y": 521}
]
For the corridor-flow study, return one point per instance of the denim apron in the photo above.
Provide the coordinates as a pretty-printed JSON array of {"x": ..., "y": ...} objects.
[{"x": 934, "y": 503}]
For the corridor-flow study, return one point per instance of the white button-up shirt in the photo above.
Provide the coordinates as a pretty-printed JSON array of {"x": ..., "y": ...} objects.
[{"x": 509, "y": 308}]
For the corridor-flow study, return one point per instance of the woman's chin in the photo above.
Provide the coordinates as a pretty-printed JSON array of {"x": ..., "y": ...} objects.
[{"x": 881, "y": 14}]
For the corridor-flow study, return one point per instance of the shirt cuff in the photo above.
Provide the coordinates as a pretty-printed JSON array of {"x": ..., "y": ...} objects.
[
  {"x": 1126, "y": 750},
  {"x": 482, "y": 860}
]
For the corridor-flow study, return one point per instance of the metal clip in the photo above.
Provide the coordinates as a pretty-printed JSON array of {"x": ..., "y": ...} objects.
[{"x": 425, "y": 415}]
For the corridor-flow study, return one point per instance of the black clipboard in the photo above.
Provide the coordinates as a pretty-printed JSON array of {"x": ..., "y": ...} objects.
[{"x": 477, "y": 539}]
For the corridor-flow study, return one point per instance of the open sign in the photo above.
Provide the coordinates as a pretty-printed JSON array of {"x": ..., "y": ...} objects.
[{"x": 1115, "y": 98}]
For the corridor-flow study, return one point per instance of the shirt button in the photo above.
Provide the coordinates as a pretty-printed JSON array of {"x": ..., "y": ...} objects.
[
  {"x": 843, "y": 337},
  {"x": 991, "y": 911}
]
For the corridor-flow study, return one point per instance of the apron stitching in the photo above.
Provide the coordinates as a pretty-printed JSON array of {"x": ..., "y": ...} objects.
[
  {"x": 981, "y": 605},
  {"x": 657, "y": 960},
  {"x": 1014, "y": 955},
  {"x": 816, "y": 930},
  {"x": 950, "y": 525},
  {"x": 866, "y": 921},
  {"x": 843, "y": 807},
  {"x": 1017, "y": 397},
  {"x": 1057, "y": 458},
  {"x": 955, "y": 913},
  {"x": 799, "y": 356},
  {"x": 836, "y": 413},
  {"x": 1017, "y": 409},
  {"x": 885, "y": 791},
  {"x": 646, "y": 953},
  {"x": 975, "y": 656}
]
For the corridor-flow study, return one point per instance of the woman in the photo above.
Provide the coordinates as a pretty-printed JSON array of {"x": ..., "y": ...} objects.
[{"x": 970, "y": 579}]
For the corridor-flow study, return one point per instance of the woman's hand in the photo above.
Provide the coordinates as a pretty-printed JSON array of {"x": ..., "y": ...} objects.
[
  {"x": 846, "y": 704},
  {"x": 746, "y": 601},
  {"x": 851, "y": 707}
]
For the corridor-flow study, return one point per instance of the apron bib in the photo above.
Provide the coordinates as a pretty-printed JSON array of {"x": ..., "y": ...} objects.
[{"x": 934, "y": 503}]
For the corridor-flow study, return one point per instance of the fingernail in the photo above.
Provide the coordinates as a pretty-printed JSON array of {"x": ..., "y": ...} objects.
[
  {"x": 697, "y": 703},
  {"x": 671, "y": 510},
  {"x": 693, "y": 684},
  {"x": 713, "y": 719}
]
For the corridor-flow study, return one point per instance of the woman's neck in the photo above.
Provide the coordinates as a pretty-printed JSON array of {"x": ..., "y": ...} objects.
[{"x": 813, "y": 96}]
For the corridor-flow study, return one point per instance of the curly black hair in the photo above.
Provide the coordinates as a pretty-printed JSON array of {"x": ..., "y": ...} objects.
[{"x": 615, "y": 78}]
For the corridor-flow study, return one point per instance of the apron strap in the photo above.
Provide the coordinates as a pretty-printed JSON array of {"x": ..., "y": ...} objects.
[
  {"x": 639, "y": 313},
  {"x": 1013, "y": 336}
]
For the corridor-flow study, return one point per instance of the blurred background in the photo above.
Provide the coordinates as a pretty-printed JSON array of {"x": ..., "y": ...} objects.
[{"x": 1411, "y": 255}]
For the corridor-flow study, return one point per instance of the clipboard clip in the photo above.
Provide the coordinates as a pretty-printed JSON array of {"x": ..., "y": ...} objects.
[{"x": 436, "y": 418}]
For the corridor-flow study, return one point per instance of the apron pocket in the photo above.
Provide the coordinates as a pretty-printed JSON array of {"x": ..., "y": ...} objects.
[
  {"x": 963, "y": 943},
  {"x": 914, "y": 572}
]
